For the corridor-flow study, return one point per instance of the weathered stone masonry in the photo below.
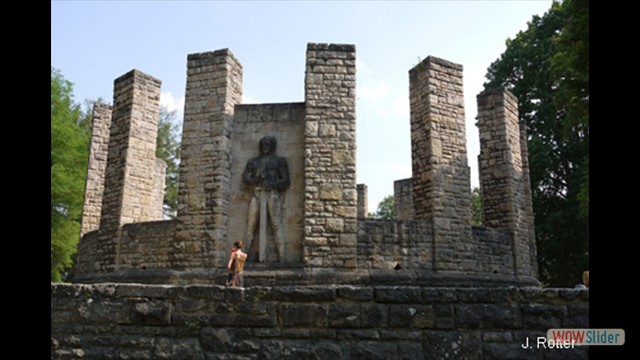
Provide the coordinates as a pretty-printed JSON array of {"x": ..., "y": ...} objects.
[
  {"x": 425, "y": 285},
  {"x": 330, "y": 157},
  {"x": 319, "y": 322},
  {"x": 441, "y": 183},
  {"x": 214, "y": 87},
  {"x": 129, "y": 190},
  {"x": 504, "y": 179},
  {"x": 325, "y": 209},
  {"x": 98, "y": 150}
]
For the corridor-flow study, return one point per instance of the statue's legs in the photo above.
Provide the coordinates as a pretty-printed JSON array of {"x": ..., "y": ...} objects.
[
  {"x": 252, "y": 221},
  {"x": 275, "y": 216}
]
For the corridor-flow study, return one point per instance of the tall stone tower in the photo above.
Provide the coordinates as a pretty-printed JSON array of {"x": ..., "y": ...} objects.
[
  {"x": 441, "y": 180},
  {"x": 98, "y": 150},
  {"x": 330, "y": 157},
  {"x": 504, "y": 175},
  {"x": 214, "y": 87},
  {"x": 129, "y": 187}
]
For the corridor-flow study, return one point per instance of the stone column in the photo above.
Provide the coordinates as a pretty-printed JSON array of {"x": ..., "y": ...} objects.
[
  {"x": 504, "y": 175},
  {"x": 98, "y": 150},
  {"x": 129, "y": 188},
  {"x": 160, "y": 173},
  {"x": 214, "y": 87},
  {"x": 441, "y": 181},
  {"x": 403, "y": 199},
  {"x": 363, "y": 201},
  {"x": 330, "y": 224}
]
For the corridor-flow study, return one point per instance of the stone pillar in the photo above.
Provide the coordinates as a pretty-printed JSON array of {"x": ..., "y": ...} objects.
[
  {"x": 363, "y": 201},
  {"x": 330, "y": 224},
  {"x": 129, "y": 176},
  {"x": 504, "y": 175},
  {"x": 441, "y": 180},
  {"x": 95, "y": 171},
  {"x": 214, "y": 87},
  {"x": 159, "y": 180},
  {"x": 403, "y": 199}
]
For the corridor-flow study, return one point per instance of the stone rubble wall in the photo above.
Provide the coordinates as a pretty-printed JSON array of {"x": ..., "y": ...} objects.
[
  {"x": 98, "y": 150},
  {"x": 441, "y": 180},
  {"x": 330, "y": 224},
  {"x": 131, "y": 321}
]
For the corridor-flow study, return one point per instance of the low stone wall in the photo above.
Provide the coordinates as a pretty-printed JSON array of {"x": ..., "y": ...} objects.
[
  {"x": 143, "y": 245},
  {"x": 409, "y": 245},
  {"x": 131, "y": 321},
  {"x": 495, "y": 250},
  {"x": 395, "y": 244},
  {"x": 147, "y": 245}
]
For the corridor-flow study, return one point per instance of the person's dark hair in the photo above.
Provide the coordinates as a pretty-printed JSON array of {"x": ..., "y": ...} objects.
[{"x": 238, "y": 244}]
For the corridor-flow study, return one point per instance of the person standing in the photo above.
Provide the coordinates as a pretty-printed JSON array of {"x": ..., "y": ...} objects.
[{"x": 236, "y": 265}]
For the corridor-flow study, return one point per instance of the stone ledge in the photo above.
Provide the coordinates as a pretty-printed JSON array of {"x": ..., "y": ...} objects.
[{"x": 309, "y": 277}]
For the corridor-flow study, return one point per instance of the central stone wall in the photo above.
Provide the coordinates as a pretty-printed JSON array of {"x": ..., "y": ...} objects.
[{"x": 130, "y": 321}]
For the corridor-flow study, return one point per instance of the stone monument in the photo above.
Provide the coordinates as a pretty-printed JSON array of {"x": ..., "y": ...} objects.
[
  {"x": 324, "y": 281},
  {"x": 269, "y": 176},
  {"x": 300, "y": 211}
]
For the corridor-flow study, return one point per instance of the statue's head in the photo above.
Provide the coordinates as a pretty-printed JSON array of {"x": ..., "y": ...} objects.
[{"x": 267, "y": 145}]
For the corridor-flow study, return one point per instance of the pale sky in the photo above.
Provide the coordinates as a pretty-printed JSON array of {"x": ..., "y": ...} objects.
[{"x": 93, "y": 43}]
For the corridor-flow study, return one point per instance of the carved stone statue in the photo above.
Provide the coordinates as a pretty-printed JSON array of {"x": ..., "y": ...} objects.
[{"x": 269, "y": 175}]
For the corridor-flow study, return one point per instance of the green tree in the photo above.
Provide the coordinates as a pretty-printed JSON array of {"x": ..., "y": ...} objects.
[
  {"x": 69, "y": 156},
  {"x": 476, "y": 207},
  {"x": 168, "y": 149},
  {"x": 385, "y": 210},
  {"x": 546, "y": 67}
]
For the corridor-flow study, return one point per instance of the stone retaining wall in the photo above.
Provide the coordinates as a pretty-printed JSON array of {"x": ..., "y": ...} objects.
[{"x": 129, "y": 321}]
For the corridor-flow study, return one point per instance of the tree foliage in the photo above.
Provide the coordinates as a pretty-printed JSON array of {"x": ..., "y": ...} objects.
[
  {"x": 547, "y": 68},
  {"x": 168, "y": 149},
  {"x": 385, "y": 210},
  {"x": 69, "y": 156}
]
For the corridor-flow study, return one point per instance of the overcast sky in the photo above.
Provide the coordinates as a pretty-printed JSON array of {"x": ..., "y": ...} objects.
[{"x": 92, "y": 43}]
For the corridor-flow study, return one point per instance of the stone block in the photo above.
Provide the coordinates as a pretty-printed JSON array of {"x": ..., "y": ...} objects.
[
  {"x": 218, "y": 340},
  {"x": 399, "y": 294},
  {"x": 334, "y": 225},
  {"x": 355, "y": 293},
  {"x": 374, "y": 315},
  {"x": 327, "y": 350},
  {"x": 344, "y": 316},
  {"x": 303, "y": 315},
  {"x": 177, "y": 349},
  {"x": 151, "y": 313},
  {"x": 370, "y": 350},
  {"x": 302, "y": 294},
  {"x": 410, "y": 351},
  {"x": 488, "y": 316},
  {"x": 330, "y": 192}
]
